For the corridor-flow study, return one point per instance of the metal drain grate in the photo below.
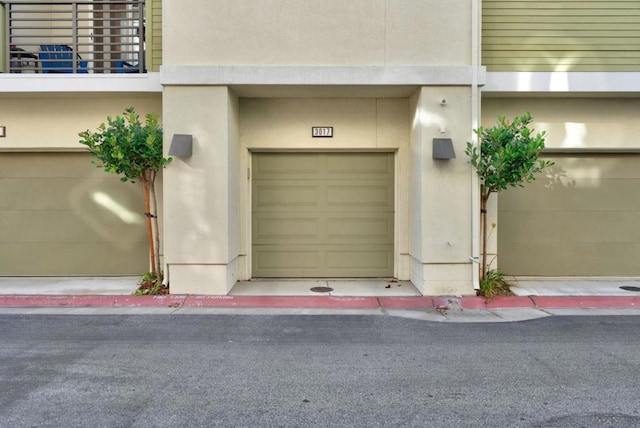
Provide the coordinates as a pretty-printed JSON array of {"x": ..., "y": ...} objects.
[
  {"x": 321, "y": 289},
  {"x": 630, "y": 288}
]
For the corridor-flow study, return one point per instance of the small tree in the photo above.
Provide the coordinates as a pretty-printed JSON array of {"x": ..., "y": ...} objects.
[
  {"x": 126, "y": 147},
  {"x": 506, "y": 156}
]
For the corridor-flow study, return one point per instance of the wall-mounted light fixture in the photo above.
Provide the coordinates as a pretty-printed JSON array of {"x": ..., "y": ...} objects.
[
  {"x": 181, "y": 145},
  {"x": 3, "y": 131},
  {"x": 443, "y": 148}
]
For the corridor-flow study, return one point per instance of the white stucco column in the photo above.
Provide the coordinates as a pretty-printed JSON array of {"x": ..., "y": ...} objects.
[
  {"x": 440, "y": 193},
  {"x": 200, "y": 192}
]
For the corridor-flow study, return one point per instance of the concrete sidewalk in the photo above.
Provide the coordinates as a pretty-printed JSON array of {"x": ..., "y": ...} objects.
[
  {"x": 575, "y": 286},
  {"x": 534, "y": 298},
  {"x": 126, "y": 285},
  {"x": 71, "y": 286}
]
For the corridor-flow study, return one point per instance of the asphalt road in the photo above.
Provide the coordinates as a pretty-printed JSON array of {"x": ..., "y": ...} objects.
[{"x": 325, "y": 371}]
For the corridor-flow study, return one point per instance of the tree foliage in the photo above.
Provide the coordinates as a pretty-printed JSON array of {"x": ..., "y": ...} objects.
[
  {"x": 506, "y": 156},
  {"x": 125, "y": 146}
]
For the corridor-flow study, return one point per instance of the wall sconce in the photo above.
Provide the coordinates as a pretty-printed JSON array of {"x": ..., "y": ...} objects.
[
  {"x": 443, "y": 148},
  {"x": 181, "y": 145},
  {"x": 3, "y": 131}
]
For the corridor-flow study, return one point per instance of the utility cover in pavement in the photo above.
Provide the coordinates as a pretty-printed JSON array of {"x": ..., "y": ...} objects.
[{"x": 321, "y": 289}]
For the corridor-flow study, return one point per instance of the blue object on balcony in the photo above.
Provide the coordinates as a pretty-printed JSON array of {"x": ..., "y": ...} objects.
[
  {"x": 59, "y": 59},
  {"x": 125, "y": 67}
]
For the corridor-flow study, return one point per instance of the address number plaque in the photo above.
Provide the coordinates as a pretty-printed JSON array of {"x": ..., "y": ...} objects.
[{"x": 322, "y": 131}]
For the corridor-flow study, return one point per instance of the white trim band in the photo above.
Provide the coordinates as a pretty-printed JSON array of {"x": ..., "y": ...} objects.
[
  {"x": 318, "y": 75},
  {"x": 562, "y": 82},
  {"x": 39, "y": 83}
]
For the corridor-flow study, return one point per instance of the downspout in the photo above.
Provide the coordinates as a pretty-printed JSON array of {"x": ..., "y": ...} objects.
[
  {"x": 475, "y": 121},
  {"x": 165, "y": 277}
]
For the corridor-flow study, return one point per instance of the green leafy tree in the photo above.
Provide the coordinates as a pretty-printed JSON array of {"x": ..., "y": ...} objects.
[
  {"x": 129, "y": 148},
  {"x": 506, "y": 156}
]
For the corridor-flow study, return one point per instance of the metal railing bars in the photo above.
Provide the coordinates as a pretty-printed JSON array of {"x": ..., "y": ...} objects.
[{"x": 82, "y": 36}]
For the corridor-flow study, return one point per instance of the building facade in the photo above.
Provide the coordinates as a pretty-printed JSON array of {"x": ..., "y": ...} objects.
[
  {"x": 327, "y": 139},
  {"x": 574, "y": 66}
]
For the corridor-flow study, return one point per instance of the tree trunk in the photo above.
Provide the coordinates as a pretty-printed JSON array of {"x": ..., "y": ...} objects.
[
  {"x": 483, "y": 235},
  {"x": 152, "y": 255},
  {"x": 154, "y": 206}
]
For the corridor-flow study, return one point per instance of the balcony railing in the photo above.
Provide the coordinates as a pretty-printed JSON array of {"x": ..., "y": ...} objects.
[{"x": 74, "y": 36}]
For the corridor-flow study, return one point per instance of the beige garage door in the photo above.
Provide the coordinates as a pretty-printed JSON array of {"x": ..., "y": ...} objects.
[
  {"x": 582, "y": 220},
  {"x": 322, "y": 214},
  {"x": 60, "y": 215}
]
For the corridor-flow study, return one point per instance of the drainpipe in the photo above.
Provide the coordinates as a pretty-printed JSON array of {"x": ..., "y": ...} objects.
[
  {"x": 475, "y": 120},
  {"x": 165, "y": 277}
]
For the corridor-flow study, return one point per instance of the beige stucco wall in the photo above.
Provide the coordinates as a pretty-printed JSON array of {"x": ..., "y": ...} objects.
[
  {"x": 201, "y": 231},
  {"x": 53, "y": 121},
  {"x": 317, "y": 32},
  {"x": 440, "y": 193},
  {"x": 573, "y": 123}
]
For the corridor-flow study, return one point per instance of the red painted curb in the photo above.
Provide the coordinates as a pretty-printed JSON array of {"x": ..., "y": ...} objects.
[
  {"x": 321, "y": 302},
  {"x": 473, "y": 302},
  {"x": 414, "y": 302},
  {"x": 586, "y": 301}
]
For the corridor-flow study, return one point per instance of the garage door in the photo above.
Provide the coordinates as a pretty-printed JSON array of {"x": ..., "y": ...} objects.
[
  {"x": 583, "y": 220},
  {"x": 322, "y": 214},
  {"x": 60, "y": 215}
]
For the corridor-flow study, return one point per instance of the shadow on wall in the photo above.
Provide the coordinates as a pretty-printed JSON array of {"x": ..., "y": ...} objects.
[{"x": 112, "y": 210}]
